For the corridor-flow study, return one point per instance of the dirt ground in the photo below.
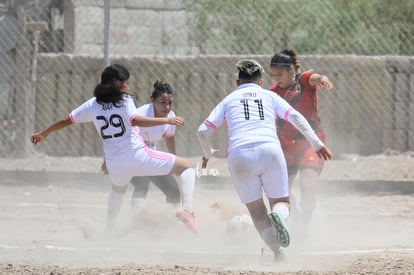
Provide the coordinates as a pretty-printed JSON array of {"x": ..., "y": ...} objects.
[{"x": 55, "y": 225}]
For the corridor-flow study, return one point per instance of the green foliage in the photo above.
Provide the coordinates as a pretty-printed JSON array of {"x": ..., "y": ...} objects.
[{"x": 364, "y": 27}]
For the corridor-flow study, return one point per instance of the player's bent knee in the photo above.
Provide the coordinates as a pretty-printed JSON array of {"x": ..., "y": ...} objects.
[{"x": 119, "y": 189}]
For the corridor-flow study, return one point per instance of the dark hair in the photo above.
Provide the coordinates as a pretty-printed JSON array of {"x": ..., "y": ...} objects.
[
  {"x": 249, "y": 70},
  {"x": 161, "y": 88},
  {"x": 114, "y": 72},
  {"x": 107, "y": 91},
  {"x": 286, "y": 58}
]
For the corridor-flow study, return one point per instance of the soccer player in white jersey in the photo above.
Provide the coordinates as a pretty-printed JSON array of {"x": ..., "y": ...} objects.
[
  {"x": 255, "y": 158},
  {"x": 113, "y": 112},
  {"x": 160, "y": 106}
]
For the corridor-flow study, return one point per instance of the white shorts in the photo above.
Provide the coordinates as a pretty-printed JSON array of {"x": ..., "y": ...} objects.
[
  {"x": 259, "y": 169},
  {"x": 142, "y": 162}
]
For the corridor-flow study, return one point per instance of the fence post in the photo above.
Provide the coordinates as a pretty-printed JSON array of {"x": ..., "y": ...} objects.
[
  {"x": 107, "y": 12},
  {"x": 23, "y": 93}
]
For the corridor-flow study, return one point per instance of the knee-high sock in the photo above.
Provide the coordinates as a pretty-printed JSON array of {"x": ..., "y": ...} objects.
[
  {"x": 138, "y": 204},
  {"x": 114, "y": 205},
  {"x": 282, "y": 210},
  {"x": 269, "y": 237},
  {"x": 187, "y": 180}
]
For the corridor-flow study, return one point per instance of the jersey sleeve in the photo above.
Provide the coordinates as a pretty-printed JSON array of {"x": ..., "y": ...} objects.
[
  {"x": 304, "y": 78},
  {"x": 216, "y": 117},
  {"x": 283, "y": 108},
  {"x": 83, "y": 113},
  {"x": 303, "y": 126},
  {"x": 131, "y": 109}
]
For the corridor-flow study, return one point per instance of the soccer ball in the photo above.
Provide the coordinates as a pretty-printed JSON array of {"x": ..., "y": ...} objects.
[{"x": 240, "y": 223}]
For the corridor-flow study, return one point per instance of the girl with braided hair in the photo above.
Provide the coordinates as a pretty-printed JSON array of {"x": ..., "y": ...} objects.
[{"x": 299, "y": 90}]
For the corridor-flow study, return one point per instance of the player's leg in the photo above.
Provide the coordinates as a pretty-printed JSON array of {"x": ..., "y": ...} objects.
[
  {"x": 276, "y": 188},
  {"x": 169, "y": 186},
  {"x": 310, "y": 168},
  {"x": 120, "y": 177},
  {"x": 294, "y": 208},
  {"x": 139, "y": 195},
  {"x": 308, "y": 185},
  {"x": 186, "y": 173},
  {"x": 185, "y": 170},
  {"x": 245, "y": 167},
  {"x": 291, "y": 154},
  {"x": 114, "y": 205},
  {"x": 278, "y": 215},
  {"x": 155, "y": 163},
  {"x": 261, "y": 221}
]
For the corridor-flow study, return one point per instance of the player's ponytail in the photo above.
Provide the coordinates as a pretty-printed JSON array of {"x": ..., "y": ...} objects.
[{"x": 107, "y": 91}]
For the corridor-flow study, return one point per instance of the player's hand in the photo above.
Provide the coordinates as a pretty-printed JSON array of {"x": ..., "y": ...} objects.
[
  {"x": 324, "y": 153},
  {"x": 104, "y": 169},
  {"x": 36, "y": 138},
  {"x": 325, "y": 83},
  {"x": 205, "y": 160},
  {"x": 177, "y": 121}
]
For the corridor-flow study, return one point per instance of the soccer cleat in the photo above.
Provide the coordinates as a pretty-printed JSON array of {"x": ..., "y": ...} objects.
[
  {"x": 187, "y": 218},
  {"x": 282, "y": 231}
]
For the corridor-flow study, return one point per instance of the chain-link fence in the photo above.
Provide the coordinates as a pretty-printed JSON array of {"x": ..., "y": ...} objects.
[{"x": 52, "y": 53}]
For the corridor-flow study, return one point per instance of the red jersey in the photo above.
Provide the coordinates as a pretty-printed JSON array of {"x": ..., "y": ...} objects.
[{"x": 304, "y": 99}]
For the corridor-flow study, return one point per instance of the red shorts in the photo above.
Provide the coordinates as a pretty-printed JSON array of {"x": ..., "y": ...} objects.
[{"x": 300, "y": 155}]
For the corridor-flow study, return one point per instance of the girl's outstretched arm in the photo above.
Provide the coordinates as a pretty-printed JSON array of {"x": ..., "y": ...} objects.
[
  {"x": 143, "y": 121},
  {"x": 321, "y": 81},
  {"x": 38, "y": 137}
]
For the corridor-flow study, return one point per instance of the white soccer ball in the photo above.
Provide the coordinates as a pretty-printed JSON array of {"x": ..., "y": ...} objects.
[{"x": 240, "y": 223}]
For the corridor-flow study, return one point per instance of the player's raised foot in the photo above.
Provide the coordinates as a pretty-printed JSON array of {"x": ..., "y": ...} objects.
[
  {"x": 187, "y": 218},
  {"x": 282, "y": 231}
]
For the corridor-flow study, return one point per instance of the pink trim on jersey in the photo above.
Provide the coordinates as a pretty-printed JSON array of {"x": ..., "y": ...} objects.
[
  {"x": 209, "y": 123},
  {"x": 287, "y": 113},
  {"x": 132, "y": 118},
  {"x": 71, "y": 118},
  {"x": 166, "y": 135},
  {"x": 158, "y": 154},
  {"x": 136, "y": 129}
]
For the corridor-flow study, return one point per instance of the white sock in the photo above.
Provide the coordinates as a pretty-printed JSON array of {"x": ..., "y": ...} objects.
[
  {"x": 114, "y": 206},
  {"x": 269, "y": 237},
  {"x": 282, "y": 210},
  {"x": 187, "y": 180},
  {"x": 138, "y": 204}
]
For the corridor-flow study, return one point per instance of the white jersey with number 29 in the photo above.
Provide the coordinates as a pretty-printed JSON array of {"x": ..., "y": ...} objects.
[
  {"x": 126, "y": 154},
  {"x": 112, "y": 123}
]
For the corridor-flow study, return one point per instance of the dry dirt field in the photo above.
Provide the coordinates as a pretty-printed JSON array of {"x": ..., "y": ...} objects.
[{"x": 52, "y": 215}]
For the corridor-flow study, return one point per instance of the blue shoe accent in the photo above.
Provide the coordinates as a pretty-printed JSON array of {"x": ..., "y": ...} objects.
[{"x": 282, "y": 231}]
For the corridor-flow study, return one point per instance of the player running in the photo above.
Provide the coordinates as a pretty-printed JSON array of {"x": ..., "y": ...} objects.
[
  {"x": 255, "y": 158},
  {"x": 299, "y": 90}
]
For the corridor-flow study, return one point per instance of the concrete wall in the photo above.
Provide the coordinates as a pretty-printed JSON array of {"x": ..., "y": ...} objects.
[
  {"x": 369, "y": 111},
  {"x": 144, "y": 27}
]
